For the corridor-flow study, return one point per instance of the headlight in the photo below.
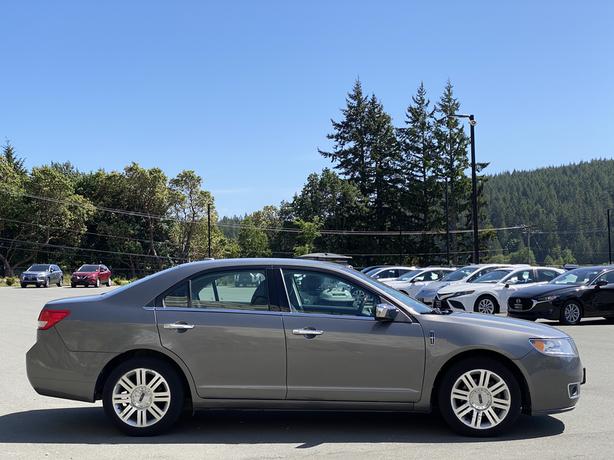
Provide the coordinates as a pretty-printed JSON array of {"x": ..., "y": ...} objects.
[
  {"x": 547, "y": 298},
  {"x": 555, "y": 347}
]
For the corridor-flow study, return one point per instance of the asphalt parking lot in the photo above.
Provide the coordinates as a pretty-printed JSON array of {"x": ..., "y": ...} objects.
[{"x": 33, "y": 426}]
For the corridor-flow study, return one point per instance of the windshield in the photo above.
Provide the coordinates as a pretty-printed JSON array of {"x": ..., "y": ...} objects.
[
  {"x": 460, "y": 274},
  {"x": 493, "y": 276},
  {"x": 398, "y": 295},
  {"x": 577, "y": 277},
  {"x": 409, "y": 275},
  {"x": 88, "y": 268},
  {"x": 38, "y": 268}
]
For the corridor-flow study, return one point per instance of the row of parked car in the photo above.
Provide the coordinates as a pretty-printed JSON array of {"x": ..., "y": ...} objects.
[
  {"x": 521, "y": 291},
  {"x": 45, "y": 275}
]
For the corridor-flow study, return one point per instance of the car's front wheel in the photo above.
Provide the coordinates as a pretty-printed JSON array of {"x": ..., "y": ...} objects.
[
  {"x": 479, "y": 397},
  {"x": 571, "y": 313},
  {"x": 486, "y": 304},
  {"x": 143, "y": 397}
]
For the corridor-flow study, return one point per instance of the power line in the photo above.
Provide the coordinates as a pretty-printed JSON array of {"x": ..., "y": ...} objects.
[
  {"x": 85, "y": 232},
  {"x": 272, "y": 229},
  {"x": 60, "y": 246}
]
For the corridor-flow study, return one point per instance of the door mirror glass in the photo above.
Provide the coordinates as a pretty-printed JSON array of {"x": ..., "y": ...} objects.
[{"x": 385, "y": 312}]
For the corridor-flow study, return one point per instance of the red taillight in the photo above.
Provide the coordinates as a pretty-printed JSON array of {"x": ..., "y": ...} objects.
[{"x": 49, "y": 318}]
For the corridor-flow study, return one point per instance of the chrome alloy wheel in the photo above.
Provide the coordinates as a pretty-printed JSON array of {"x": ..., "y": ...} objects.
[
  {"x": 572, "y": 312},
  {"x": 480, "y": 399},
  {"x": 141, "y": 397},
  {"x": 487, "y": 306}
]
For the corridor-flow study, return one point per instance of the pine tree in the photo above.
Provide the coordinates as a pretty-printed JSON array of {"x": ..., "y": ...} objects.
[
  {"x": 350, "y": 152},
  {"x": 418, "y": 165},
  {"x": 9, "y": 154},
  {"x": 452, "y": 143}
]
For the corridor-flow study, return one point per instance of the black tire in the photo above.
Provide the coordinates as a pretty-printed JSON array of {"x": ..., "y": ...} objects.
[
  {"x": 445, "y": 400},
  {"x": 486, "y": 297},
  {"x": 175, "y": 386},
  {"x": 109, "y": 283},
  {"x": 60, "y": 282},
  {"x": 609, "y": 319},
  {"x": 97, "y": 284},
  {"x": 73, "y": 285},
  {"x": 24, "y": 285},
  {"x": 565, "y": 315},
  {"x": 46, "y": 285}
]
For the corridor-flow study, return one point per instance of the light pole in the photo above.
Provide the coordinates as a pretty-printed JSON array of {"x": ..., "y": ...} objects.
[
  {"x": 474, "y": 187},
  {"x": 609, "y": 239}
]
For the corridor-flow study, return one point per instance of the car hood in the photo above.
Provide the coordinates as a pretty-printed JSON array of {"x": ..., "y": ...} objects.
[
  {"x": 436, "y": 285},
  {"x": 396, "y": 283},
  {"x": 497, "y": 325},
  {"x": 43, "y": 272},
  {"x": 461, "y": 286},
  {"x": 545, "y": 289},
  {"x": 84, "y": 273}
]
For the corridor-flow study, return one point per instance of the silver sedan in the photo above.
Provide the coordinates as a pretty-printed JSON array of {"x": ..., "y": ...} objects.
[{"x": 307, "y": 335}]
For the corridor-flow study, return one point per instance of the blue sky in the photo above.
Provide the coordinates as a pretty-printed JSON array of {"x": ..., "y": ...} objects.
[{"x": 243, "y": 92}]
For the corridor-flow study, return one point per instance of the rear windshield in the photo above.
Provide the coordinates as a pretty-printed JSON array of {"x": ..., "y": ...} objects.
[
  {"x": 88, "y": 268},
  {"x": 459, "y": 274},
  {"x": 38, "y": 268}
]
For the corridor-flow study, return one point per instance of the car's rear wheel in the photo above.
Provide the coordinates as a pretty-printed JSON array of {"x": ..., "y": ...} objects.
[
  {"x": 143, "y": 397},
  {"x": 24, "y": 285},
  {"x": 486, "y": 304},
  {"x": 479, "y": 397},
  {"x": 73, "y": 285},
  {"x": 60, "y": 282},
  {"x": 571, "y": 313},
  {"x": 97, "y": 282},
  {"x": 109, "y": 283}
]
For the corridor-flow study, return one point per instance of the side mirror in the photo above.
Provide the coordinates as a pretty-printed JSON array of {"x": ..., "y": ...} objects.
[
  {"x": 413, "y": 281},
  {"x": 385, "y": 312},
  {"x": 507, "y": 285},
  {"x": 601, "y": 283}
]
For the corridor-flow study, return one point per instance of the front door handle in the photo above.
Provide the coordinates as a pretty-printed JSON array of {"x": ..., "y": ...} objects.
[
  {"x": 179, "y": 326},
  {"x": 307, "y": 332}
]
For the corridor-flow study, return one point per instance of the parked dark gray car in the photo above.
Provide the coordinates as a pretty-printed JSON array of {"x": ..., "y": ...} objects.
[
  {"x": 42, "y": 275},
  {"x": 310, "y": 335}
]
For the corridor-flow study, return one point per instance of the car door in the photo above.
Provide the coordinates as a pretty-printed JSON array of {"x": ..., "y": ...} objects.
[
  {"x": 230, "y": 336},
  {"x": 337, "y": 351},
  {"x": 603, "y": 296}
]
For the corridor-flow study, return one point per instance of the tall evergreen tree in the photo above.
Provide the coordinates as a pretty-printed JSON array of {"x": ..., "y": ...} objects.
[
  {"x": 14, "y": 161},
  {"x": 419, "y": 166},
  {"x": 351, "y": 153},
  {"x": 452, "y": 143}
]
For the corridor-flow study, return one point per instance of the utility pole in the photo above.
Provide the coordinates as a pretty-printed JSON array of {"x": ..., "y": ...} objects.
[
  {"x": 474, "y": 193},
  {"x": 609, "y": 238},
  {"x": 209, "y": 227}
]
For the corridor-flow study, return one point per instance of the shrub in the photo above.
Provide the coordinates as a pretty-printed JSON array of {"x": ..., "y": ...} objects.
[{"x": 10, "y": 280}]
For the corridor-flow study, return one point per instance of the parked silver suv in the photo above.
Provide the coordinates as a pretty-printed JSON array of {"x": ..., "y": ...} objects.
[{"x": 42, "y": 275}]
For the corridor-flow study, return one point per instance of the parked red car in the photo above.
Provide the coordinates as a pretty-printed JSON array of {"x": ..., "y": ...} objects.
[{"x": 91, "y": 275}]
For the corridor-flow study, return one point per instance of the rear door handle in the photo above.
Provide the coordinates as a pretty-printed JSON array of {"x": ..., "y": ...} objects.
[
  {"x": 307, "y": 332},
  {"x": 179, "y": 326}
]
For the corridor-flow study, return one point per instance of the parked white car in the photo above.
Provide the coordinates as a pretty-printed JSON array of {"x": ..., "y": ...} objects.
[
  {"x": 411, "y": 282},
  {"x": 465, "y": 274},
  {"x": 490, "y": 292},
  {"x": 388, "y": 272}
]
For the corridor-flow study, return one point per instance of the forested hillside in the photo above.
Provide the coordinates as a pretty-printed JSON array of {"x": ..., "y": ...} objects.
[{"x": 565, "y": 207}]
